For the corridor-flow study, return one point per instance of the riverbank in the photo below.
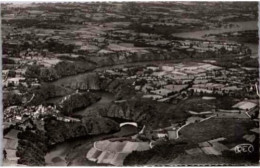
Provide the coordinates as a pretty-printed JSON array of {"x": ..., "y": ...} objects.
[
  {"x": 242, "y": 26},
  {"x": 72, "y": 153}
]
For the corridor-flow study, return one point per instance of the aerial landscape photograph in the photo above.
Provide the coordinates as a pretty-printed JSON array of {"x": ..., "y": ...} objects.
[{"x": 130, "y": 83}]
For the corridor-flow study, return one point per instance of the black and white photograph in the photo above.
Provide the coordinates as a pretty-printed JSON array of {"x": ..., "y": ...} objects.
[{"x": 160, "y": 83}]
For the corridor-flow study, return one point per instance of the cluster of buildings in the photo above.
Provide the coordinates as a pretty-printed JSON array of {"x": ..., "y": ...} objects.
[
  {"x": 13, "y": 78},
  {"x": 213, "y": 46},
  {"x": 16, "y": 113}
]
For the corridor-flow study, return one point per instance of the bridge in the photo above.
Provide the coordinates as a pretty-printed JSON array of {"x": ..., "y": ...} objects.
[{"x": 128, "y": 123}]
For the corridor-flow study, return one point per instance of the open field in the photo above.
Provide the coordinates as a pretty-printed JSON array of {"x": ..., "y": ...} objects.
[
  {"x": 215, "y": 128},
  {"x": 114, "y": 153}
]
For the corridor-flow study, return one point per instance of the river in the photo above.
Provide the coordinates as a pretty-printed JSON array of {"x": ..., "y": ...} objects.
[
  {"x": 241, "y": 26},
  {"x": 59, "y": 154},
  {"x": 73, "y": 153}
]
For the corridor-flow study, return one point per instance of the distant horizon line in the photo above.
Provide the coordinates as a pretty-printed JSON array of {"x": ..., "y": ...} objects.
[{"x": 57, "y": 1}]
